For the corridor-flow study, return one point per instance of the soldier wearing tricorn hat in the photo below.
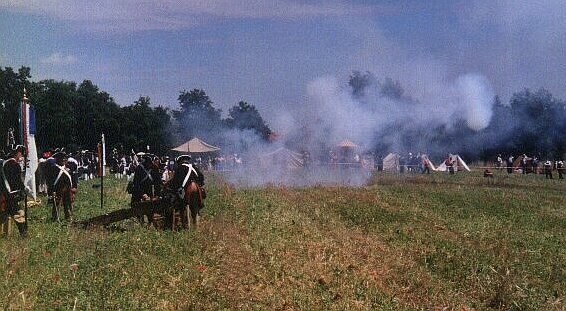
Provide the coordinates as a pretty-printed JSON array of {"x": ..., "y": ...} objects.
[
  {"x": 184, "y": 173},
  {"x": 146, "y": 183},
  {"x": 182, "y": 168},
  {"x": 60, "y": 185},
  {"x": 12, "y": 188}
]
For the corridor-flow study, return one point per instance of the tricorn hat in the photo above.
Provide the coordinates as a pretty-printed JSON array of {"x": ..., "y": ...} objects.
[
  {"x": 18, "y": 148},
  {"x": 60, "y": 156},
  {"x": 183, "y": 158}
]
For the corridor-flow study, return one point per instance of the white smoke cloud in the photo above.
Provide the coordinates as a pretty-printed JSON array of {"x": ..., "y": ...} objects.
[
  {"x": 337, "y": 114},
  {"x": 332, "y": 113},
  {"x": 477, "y": 97}
]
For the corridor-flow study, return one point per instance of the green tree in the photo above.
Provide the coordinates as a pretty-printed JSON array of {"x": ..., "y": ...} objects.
[
  {"x": 391, "y": 89},
  {"x": 539, "y": 120},
  {"x": 96, "y": 113},
  {"x": 11, "y": 94},
  {"x": 246, "y": 117},
  {"x": 197, "y": 116},
  {"x": 55, "y": 119},
  {"x": 145, "y": 126},
  {"x": 359, "y": 82}
]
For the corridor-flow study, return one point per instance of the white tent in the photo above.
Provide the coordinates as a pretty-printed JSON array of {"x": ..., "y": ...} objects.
[
  {"x": 456, "y": 160},
  {"x": 196, "y": 145},
  {"x": 281, "y": 158},
  {"x": 427, "y": 161},
  {"x": 391, "y": 163}
]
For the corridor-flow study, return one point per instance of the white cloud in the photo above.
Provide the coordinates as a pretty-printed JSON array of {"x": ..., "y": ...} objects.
[
  {"x": 59, "y": 59},
  {"x": 133, "y": 15}
]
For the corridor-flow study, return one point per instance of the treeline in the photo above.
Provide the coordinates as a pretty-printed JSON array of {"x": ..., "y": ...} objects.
[
  {"x": 532, "y": 123},
  {"x": 74, "y": 116}
]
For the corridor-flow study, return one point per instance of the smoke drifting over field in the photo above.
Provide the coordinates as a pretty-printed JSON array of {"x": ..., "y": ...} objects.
[
  {"x": 376, "y": 120},
  {"x": 380, "y": 122}
]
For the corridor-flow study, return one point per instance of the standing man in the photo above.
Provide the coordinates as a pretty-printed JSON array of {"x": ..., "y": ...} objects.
[
  {"x": 61, "y": 186},
  {"x": 548, "y": 169},
  {"x": 510, "y": 164},
  {"x": 146, "y": 183},
  {"x": 535, "y": 164},
  {"x": 12, "y": 188},
  {"x": 560, "y": 169}
]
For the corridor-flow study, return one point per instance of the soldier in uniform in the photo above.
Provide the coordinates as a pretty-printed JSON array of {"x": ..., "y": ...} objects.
[
  {"x": 59, "y": 176},
  {"x": 184, "y": 173},
  {"x": 12, "y": 188},
  {"x": 146, "y": 183}
]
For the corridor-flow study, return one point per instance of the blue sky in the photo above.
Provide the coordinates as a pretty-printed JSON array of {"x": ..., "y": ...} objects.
[{"x": 267, "y": 52}]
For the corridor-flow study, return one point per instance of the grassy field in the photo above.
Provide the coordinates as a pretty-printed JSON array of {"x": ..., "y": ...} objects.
[{"x": 400, "y": 243}]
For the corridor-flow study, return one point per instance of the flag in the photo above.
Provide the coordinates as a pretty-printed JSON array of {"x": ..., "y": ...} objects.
[
  {"x": 27, "y": 119},
  {"x": 99, "y": 158},
  {"x": 103, "y": 160}
]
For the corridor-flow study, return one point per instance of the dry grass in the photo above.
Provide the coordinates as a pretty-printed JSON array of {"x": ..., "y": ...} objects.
[{"x": 422, "y": 242}]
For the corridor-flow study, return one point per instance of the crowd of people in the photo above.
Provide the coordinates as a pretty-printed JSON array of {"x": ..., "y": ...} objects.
[{"x": 526, "y": 165}]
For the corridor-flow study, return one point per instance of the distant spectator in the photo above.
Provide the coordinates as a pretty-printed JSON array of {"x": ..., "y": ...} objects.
[
  {"x": 548, "y": 169},
  {"x": 534, "y": 164},
  {"x": 499, "y": 162},
  {"x": 560, "y": 169},
  {"x": 524, "y": 164},
  {"x": 510, "y": 164}
]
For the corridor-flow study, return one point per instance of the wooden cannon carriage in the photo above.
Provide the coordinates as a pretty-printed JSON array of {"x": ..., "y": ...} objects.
[{"x": 158, "y": 207}]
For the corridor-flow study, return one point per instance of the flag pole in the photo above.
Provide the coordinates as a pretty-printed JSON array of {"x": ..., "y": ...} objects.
[
  {"x": 24, "y": 128},
  {"x": 100, "y": 171}
]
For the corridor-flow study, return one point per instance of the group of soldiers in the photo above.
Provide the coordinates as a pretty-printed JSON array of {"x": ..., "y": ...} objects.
[
  {"x": 12, "y": 190},
  {"x": 531, "y": 165},
  {"x": 151, "y": 180},
  {"x": 57, "y": 167}
]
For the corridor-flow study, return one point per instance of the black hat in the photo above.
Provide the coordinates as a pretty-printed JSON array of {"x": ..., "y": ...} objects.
[
  {"x": 183, "y": 158},
  {"x": 18, "y": 148},
  {"x": 60, "y": 156},
  {"x": 146, "y": 157}
]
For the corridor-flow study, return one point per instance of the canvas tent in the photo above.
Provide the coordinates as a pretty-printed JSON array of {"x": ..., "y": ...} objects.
[
  {"x": 345, "y": 151},
  {"x": 425, "y": 159},
  {"x": 391, "y": 163},
  {"x": 196, "y": 145},
  {"x": 346, "y": 144},
  {"x": 281, "y": 158},
  {"x": 459, "y": 164}
]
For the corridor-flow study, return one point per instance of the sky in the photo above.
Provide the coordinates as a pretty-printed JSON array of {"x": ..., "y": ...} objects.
[{"x": 268, "y": 52}]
